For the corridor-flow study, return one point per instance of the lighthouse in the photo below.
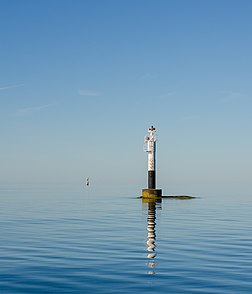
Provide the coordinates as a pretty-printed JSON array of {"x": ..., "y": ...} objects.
[
  {"x": 150, "y": 148},
  {"x": 150, "y": 140}
]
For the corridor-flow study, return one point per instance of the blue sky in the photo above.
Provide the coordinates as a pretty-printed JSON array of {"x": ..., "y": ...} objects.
[{"x": 81, "y": 82}]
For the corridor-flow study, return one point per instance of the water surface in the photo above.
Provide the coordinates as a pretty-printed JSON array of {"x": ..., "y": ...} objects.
[{"x": 86, "y": 240}]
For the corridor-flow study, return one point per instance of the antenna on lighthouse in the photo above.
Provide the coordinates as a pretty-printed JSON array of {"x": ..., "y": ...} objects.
[{"x": 150, "y": 148}]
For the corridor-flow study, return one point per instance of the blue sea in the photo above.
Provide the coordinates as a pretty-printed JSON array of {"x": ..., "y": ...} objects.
[{"x": 77, "y": 239}]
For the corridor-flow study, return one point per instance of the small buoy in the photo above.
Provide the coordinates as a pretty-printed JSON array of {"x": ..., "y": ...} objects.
[{"x": 87, "y": 181}]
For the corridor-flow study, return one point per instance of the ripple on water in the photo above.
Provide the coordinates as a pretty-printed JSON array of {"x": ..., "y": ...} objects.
[{"x": 93, "y": 246}]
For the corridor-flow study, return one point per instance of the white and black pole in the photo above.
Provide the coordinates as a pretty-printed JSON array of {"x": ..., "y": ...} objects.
[
  {"x": 151, "y": 149},
  {"x": 150, "y": 141}
]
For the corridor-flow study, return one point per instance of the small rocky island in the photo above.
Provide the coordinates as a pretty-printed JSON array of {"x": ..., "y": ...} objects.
[{"x": 182, "y": 197}]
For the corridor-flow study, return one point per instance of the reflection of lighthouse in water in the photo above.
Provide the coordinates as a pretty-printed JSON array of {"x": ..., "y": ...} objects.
[
  {"x": 151, "y": 236},
  {"x": 151, "y": 230}
]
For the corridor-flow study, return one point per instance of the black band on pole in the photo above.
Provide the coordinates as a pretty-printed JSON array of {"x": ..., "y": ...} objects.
[{"x": 151, "y": 179}]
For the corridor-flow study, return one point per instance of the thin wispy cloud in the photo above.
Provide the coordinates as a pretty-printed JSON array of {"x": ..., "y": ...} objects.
[
  {"x": 191, "y": 117},
  {"x": 90, "y": 93},
  {"x": 229, "y": 96},
  {"x": 168, "y": 94},
  {"x": 30, "y": 110},
  {"x": 11, "y": 87},
  {"x": 147, "y": 76}
]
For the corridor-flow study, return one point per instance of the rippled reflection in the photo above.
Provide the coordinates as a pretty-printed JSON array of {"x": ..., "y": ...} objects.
[{"x": 151, "y": 232}]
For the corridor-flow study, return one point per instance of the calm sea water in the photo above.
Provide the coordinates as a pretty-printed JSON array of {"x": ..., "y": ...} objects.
[{"x": 79, "y": 240}]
